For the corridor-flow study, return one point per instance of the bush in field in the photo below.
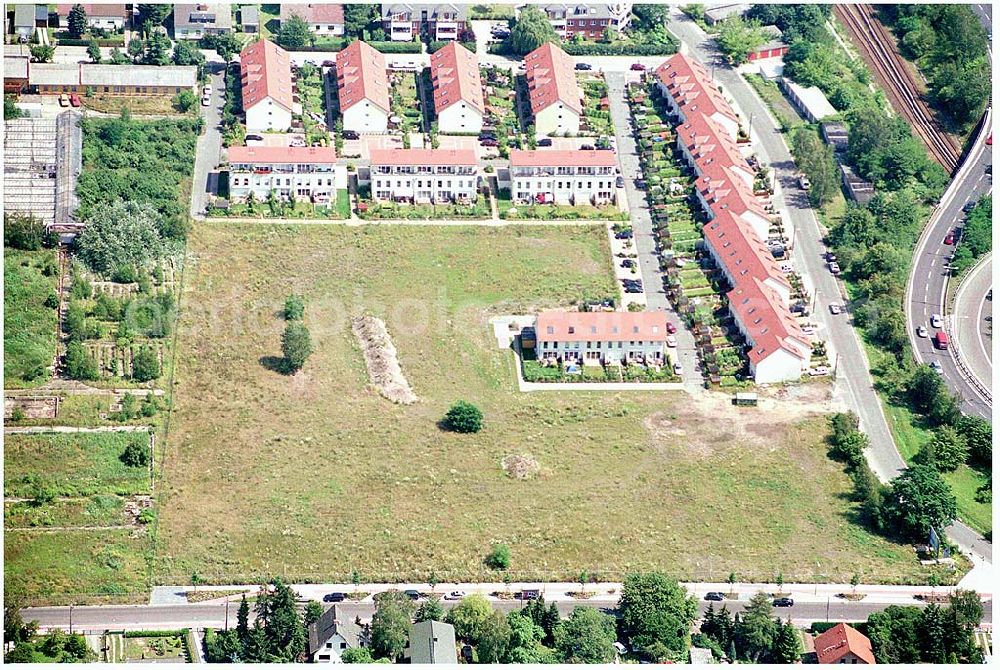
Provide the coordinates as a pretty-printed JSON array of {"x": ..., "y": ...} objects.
[
  {"x": 296, "y": 345},
  {"x": 463, "y": 417},
  {"x": 80, "y": 364},
  {"x": 295, "y": 308},
  {"x": 145, "y": 365},
  {"x": 498, "y": 558},
  {"x": 136, "y": 455}
]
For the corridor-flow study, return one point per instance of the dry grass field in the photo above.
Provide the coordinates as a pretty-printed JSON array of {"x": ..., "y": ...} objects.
[{"x": 315, "y": 476}]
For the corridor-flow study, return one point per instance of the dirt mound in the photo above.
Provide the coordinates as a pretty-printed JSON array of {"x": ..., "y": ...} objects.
[
  {"x": 380, "y": 357},
  {"x": 520, "y": 466}
]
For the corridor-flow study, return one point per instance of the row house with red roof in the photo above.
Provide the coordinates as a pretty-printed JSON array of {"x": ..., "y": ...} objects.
[
  {"x": 554, "y": 95},
  {"x": 562, "y": 177},
  {"x": 299, "y": 173},
  {"x": 363, "y": 88},
  {"x": 738, "y": 224},
  {"x": 424, "y": 176},
  {"x": 266, "y": 80},
  {"x": 607, "y": 338},
  {"x": 458, "y": 90}
]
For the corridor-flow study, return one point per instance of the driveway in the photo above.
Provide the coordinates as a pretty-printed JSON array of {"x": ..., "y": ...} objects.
[
  {"x": 642, "y": 224},
  {"x": 205, "y": 179}
]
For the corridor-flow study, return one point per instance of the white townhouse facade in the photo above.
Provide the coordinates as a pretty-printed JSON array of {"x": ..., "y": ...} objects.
[
  {"x": 563, "y": 177},
  {"x": 609, "y": 338},
  {"x": 424, "y": 175},
  {"x": 302, "y": 173},
  {"x": 363, "y": 88}
]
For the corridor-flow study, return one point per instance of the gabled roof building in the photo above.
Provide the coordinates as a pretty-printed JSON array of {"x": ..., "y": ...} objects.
[
  {"x": 843, "y": 644},
  {"x": 192, "y": 22},
  {"x": 458, "y": 90},
  {"x": 553, "y": 93},
  {"x": 323, "y": 19},
  {"x": 363, "y": 88},
  {"x": 266, "y": 77}
]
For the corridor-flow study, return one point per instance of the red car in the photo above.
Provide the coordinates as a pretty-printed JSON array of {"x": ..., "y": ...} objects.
[
  {"x": 638, "y": 66},
  {"x": 671, "y": 328},
  {"x": 74, "y": 100},
  {"x": 950, "y": 238},
  {"x": 989, "y": 140}
]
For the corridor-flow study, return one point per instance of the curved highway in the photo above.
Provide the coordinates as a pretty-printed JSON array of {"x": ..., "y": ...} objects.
[
  {"x": 927, "y": 290},
  {"x": 972, "y": 322}
]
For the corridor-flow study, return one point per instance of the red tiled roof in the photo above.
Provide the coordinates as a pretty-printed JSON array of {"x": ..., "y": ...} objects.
[
  {"x": 455, "y": 75},
  {"x": 269, "y": 155},
  {"x": 107, "y": 11},
  {"x": 723, "y": 190},
  {"x": 741, "y": 251},
  {"x": 708, "y": 143},
  {"x": 551, "y": 78},
  {"x": 318, "y": 13},
  {"x": 423, "y": 157},
  {"x": 361, "y": 76},
  {"x": 567, "y": 157},
  {"x": 832, "y": 645},
  {"x": 266, "y": 73},
  {"x": 690, "y": 85},
  {"x": 768, "y": 323},
  {"x": 603, "y": 326}
]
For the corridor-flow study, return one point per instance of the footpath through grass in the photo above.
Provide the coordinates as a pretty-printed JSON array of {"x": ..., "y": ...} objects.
[{"x": 314, "y": 476}]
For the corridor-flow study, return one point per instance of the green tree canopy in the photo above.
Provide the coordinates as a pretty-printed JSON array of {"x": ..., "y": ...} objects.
[
  {"x": 124, "y": 234},
  {"x": 294, "y": 33},
  {"x": 737, "y": 38},
  {"x": 296, "y": 345},
  {"x": 919, "y": 499},
  {"x": 531, "y": 30},
  {"x": 588, "y": 636},
  {"x": 655, "y": 615},
  {"x": 469, "y": 617},
  {"x": 77, "y": 21},
  {"x": 463, "y": 417},
  {"x": 391, "y": 625}
]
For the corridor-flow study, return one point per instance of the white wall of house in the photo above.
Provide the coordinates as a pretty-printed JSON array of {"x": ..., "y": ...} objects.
[
  {"x": 424, "y": 188},
  {"x": 364, "y": 117},
  {"x": 460, "y": 118},
  {"x": 565, "y": 189},
  {"x": 780, "y": 366},
  {"x": 331, "y": 650},
  {"x": 557, "y": 119},
  {"x": 268, "y": 115},
  {"x": 113, "y": 23},
  {"x": 318, "y": 186},
  {"x": 335, "y": 29},
  {"x": 760, "y": 224},
  {"x": 603, "y": 352}
]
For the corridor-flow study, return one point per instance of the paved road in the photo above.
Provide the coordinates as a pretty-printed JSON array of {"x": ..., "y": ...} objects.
[
  {"x": 207, "y": 156},
  {"x": 928, "y": 285},
  {"x": 808, "y": 253},
  {"x": 642, "y": 224},
  {"x": 972, "y": 322},
  {"x": 214, "y": 615}
]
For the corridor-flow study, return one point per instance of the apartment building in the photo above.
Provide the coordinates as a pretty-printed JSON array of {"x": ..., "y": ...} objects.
[
  {"x": 431, "y": 176},
  {"x": 563, "y": 177},
  {"x": 741, "y": 255},
  {"x": 779, "y": 350},
  {"x": 690, "y": 91},
  {"x": 609, "y": 338},
  {"x": 363, "y": 89},
  {"x": 403, "y": 22},
  {"x": 553, "y": 93},
  {"x": 302, "y": 173},
  {"x": 266, "y": 76},
  {"x": 323, "y": 19},
  {"x": 588, "y": 20},
  {"x": 104, "y": 17},
  {"x": 458, "y": 90},
  {"x": 192, "y": 22}
]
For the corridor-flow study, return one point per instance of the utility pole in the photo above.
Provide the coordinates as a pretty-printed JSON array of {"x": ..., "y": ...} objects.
[
  {"x": 828, "y": 609},
  {"x": 71, "y": 618},
  {"x": 227, "y": 613}
]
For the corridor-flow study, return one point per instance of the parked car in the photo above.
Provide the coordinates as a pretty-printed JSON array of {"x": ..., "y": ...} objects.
[
  {"x": 936, "y": 321},
  {"x": 74, "y": 100},
  {"x": 412, "y": 594},
  {"x": 530, "y": 594},
  {"x": 64, "y": 100},
  {"x": 628, "y": 263},
  {"x": 671, "y": 341},
  {"x": 640, "y": 184},
  {"x": 671, "y": 328},
  {"x": 786, "y": 268},
  {"x": 949, "y": 238},
  {"x": 487, "y": 135},
  {"x": 455, "y": 595},
  {"x": 206, "y": 101},
  {"x": 678, "y": 369},
  {"x": 798, "y": 308},
  {"x": 489, "y": 143},
  {"x": 623, "y": 235},
  {"x": 835, "y": 308},
  {"x": 783, "y": 602},
  {"x": 545, "y": 142},
  {"x": 584, "y": 66},
  {"x": 820, "y": 371},
  {"x": 835, "y": 268},
  {"x": 968, "y": 207},
  {"x": 254, "y": 138},
  {"x": 639, "y": 67},
  {"x": 717, "y": 596},
  {"x": 804, "y": 182},
  {"x": 351, "y": 135},
  {"x": 207, "y": 90},
  {"x": 586, "y": 147},
  {"x": 335, "y": 597},
  {"x": 329, "y": 63},
  {"x": 921, "y": 331},
  {"x": 619, "y": 182}
]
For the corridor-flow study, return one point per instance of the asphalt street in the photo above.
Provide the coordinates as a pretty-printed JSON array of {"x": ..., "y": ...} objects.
[
  {"x": 972, "y": 322},
  {"x": 642, "y": 224},
  {"x": 215, "y": 614},
  {"x": 206, "y": 160},
  {"x": 808, "y": 256}
]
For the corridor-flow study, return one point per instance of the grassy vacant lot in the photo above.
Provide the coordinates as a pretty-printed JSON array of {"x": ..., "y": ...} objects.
[
  {"x": 100, "y": 510},
  {"x": 79, "y": 566},
  {"x": 314, "y": 476},
  {"x": 29, "y": 341},
  {"x": 75, "y": 464}
]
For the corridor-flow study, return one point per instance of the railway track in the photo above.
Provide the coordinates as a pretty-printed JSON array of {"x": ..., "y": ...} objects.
[{"x": 878, "y": 47}]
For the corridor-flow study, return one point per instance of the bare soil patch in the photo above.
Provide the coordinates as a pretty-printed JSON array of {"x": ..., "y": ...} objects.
[{"x": 382, "y": 361}]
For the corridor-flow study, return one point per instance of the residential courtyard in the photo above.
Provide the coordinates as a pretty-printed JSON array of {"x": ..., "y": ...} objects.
[{"x": 315, "y": 476}]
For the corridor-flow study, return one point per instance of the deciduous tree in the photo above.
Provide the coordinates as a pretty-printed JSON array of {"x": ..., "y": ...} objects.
[
  {"x": 531, "y": 30},
  {"x": 588, "y": 636},
  {"x": 391, "y": 624},
  {"x": 655, "y": 615}
]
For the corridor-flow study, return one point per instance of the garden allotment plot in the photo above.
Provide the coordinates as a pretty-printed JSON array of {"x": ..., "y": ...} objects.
[{"x": 315, "y": 476}]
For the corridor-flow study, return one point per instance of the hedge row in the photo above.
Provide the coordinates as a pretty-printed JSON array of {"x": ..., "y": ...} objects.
[
  {"x": 440, "y": 44},
  {"x": 180, "y": 632},
  {"x": 601, "y": 49},
  {"x": 103, "y": 42}
]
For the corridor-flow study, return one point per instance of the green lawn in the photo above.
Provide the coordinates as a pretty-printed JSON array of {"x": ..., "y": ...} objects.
[
  {"x": 315, "y": 475},
  {"x": 29, "y": 339},
  {"x": 80, "y": 566},
  {"x": 73, "y": 464},
  {"x": 100, "y": 510}
]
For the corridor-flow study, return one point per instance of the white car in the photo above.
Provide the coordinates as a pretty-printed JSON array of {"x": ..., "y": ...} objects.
[
  {"x": 206, "y": 101},
  {"x": 921, "y": 331},
  {"x": 671, "y": 341},
  {"x": 455, "y": 595},
  {"x": 804, "y": 183},
  {"x": 835, "y": 308},
  {"x": 819, "y": 372},
  {"x": 678, "y": 369},
  {"x": 786, "y": 268},
  {"x": 936, "y": 321},
  {"x": 936, "y": 367},
  {"x": 207, "y": 90}
]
